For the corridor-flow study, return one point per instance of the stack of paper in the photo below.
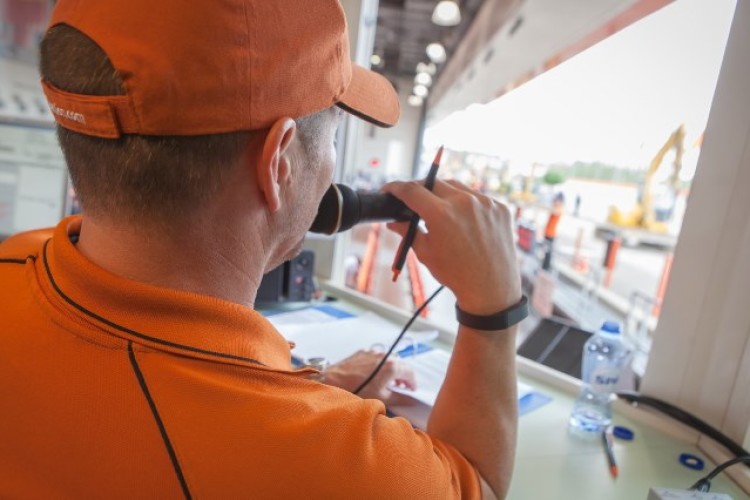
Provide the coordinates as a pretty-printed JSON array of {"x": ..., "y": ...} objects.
[{"x": 324, "y": 331}]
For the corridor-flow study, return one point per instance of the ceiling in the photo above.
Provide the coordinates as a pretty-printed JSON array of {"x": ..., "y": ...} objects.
[{"x": 405, "y": 29}]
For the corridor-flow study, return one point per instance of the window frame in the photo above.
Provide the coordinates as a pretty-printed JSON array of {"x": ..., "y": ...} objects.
[{"x": 700, "y": 359}]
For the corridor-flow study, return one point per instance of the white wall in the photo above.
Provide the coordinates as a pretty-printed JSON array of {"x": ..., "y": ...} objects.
[{"x": 393, "y": 147}]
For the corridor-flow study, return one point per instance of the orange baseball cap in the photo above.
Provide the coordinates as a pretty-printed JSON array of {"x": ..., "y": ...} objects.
[{"x": 210, "y": 66}]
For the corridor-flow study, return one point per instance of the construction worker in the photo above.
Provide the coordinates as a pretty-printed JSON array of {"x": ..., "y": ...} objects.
[{"x": 550, "y": 230}]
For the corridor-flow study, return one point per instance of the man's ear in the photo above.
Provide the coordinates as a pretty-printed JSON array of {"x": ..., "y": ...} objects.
[{"x": 273, "y": 167}]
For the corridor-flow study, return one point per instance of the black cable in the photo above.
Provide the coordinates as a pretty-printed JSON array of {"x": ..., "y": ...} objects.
[
  {"x": 398, "y": 339},
  {"x": 687, "y": 419},
  {"x": 704, "y": 484}
]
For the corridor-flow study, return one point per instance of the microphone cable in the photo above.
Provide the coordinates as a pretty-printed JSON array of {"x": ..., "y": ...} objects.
[
  {"x": 686, "y": 418},
  {"x": 398, "y": 339},
  {"x": 704, "y": 484}
]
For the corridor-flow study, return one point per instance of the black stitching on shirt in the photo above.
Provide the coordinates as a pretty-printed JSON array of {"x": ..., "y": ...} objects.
[
  {"x": 17, "y": 261},
  {"x": 133, "y": 332},
  {"x": 159, "y": 422}
]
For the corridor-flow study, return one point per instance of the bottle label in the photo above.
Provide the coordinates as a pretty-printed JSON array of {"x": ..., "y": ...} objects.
[{"x": 604, "y": 379}]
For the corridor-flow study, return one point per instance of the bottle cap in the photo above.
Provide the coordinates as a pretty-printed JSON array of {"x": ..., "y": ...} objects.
[
  {"x": 612, "y": 327},
  {"x": 623, "y": 433}
]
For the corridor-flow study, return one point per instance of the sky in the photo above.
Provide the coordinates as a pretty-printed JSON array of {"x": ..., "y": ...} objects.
[{"x": 616, "y": 102}]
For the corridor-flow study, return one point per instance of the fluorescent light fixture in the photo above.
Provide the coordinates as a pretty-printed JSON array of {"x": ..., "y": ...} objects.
[
  {"x": 423, "y": 79},
  {"x": 446, "y": 13},
  {"x": 420, "y": 91},
  {"x": 436, "y": 52},
  {"x": 375, "y": 60},
  {"x": 415, "y": 100}
]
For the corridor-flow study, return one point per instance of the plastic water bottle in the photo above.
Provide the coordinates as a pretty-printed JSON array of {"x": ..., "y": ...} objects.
[{"x": 604, "y": 358}]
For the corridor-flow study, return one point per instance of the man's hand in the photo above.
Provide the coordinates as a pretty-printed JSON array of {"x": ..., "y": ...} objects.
[
  {"x": 469, "y": 244},
  {"x": 351, "y": 372}
]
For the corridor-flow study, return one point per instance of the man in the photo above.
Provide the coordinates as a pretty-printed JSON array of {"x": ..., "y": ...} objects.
[
  {"x": 550, "y": 230},
  {"x": 199, "y": 137}
]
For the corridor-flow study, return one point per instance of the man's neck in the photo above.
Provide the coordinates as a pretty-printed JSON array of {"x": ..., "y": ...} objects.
[{"x": 208, "y": 259}]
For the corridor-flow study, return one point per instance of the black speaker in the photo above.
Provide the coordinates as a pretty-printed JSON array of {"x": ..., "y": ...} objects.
[{"x": 292, "y": 281}]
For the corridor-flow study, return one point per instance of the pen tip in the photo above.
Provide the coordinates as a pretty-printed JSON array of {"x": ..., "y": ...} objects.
[
  {"x": 438, "y": 156},
  {"x": 395, "y": 276},
  {"x": 613, "y": 470}
]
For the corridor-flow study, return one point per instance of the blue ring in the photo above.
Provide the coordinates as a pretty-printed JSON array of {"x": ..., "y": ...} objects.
[{"x": 691, "y": 461}]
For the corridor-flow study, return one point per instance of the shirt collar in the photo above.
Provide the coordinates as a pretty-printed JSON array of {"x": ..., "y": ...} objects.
[{"x": 162, "y": 318}]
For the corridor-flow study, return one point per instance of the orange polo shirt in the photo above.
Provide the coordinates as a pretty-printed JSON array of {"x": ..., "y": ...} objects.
[{"x": 112, "y": 388}]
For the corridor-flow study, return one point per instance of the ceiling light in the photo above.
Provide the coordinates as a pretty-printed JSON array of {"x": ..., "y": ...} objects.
[
  {"x": 415, "y": 100},
  {"x": 423, "y": 79},
  {"x": 446, "y": 13},
  {"x": 430, "y": 69},
  {"x": 375, "y": 60},
  {"x": 420, "y": 91},
  {"x": 436, "y": 52}
]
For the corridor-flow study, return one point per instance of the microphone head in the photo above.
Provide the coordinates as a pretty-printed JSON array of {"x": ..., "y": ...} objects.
[
  {"x": 341, "y": 208},
  {"x": 351, "y": 211},
  {"x": 328, "y": 219}
]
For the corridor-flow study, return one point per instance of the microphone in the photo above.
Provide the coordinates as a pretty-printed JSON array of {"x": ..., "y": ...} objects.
[{"x": 342, "y": 207}]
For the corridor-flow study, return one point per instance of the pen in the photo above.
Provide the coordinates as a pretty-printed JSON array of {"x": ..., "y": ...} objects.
[
  {"x": 607, "y": 441},
  {"x": 406, "y": 243}
]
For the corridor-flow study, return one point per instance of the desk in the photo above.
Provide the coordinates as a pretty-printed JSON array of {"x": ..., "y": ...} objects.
[{"x": 551, "y": 464}]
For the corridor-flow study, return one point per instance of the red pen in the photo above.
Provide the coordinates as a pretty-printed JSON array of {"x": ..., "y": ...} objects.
[
  {"x": 607, "y": 441},
  {"x": 408, "y": 241}
]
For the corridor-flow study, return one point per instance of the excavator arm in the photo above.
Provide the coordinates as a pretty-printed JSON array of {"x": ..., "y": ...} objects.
[{"x": 642, "y": 216}]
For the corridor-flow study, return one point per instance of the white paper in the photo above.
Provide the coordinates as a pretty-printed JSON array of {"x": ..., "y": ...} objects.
[
  {"x": 430, "y": 369},
  {"x": 337, "y": 340},
  {"x": 305, "y": 316}
]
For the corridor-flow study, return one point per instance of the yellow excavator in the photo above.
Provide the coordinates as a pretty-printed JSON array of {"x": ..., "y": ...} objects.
[{"x": 643, "y": 215}]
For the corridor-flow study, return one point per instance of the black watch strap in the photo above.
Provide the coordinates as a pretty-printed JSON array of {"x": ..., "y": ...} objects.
[{"x": 498, "y": 321}]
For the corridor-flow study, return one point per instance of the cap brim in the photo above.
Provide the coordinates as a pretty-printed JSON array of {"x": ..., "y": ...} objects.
[{"x": 371, "y": 97}]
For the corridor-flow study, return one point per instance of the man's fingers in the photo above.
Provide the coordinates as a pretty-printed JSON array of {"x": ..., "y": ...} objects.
[
  {"x": 400, "y": 228},
  {"x": 459, "y": 186},
  {"x": 406, "y": 383},
  {"x": 418, "y": 198},
  {"x": 398, "y": 371}
]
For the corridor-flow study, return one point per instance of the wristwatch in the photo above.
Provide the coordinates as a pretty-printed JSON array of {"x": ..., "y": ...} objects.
[{"x": 497, "y": 321}]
